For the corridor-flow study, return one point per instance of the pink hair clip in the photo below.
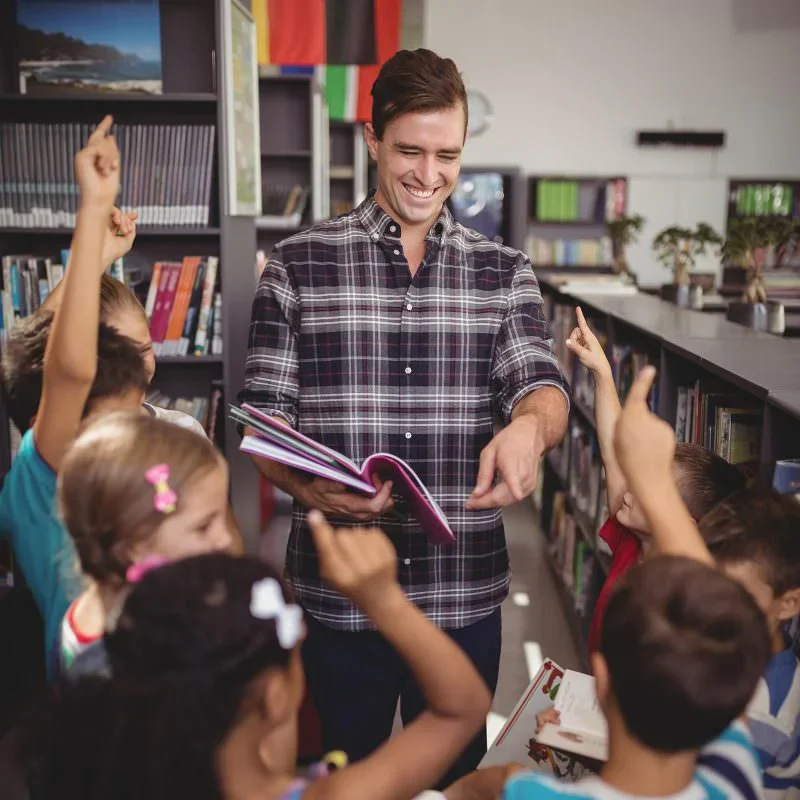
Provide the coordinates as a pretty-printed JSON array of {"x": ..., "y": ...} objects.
[
  {"x": 165, "y": 499},
  {"x": 137, "y": 571}
]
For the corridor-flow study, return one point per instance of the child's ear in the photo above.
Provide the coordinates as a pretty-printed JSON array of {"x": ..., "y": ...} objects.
[
  {"x": 601, "y": 678},
  {"x": 788, "y": 604}
]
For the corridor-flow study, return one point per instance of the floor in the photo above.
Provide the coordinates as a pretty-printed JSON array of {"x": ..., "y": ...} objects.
[{"x": 533, "y": 618}]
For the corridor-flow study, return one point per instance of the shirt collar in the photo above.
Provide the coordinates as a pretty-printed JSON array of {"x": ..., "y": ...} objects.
[{"x": 377, "y": 223}]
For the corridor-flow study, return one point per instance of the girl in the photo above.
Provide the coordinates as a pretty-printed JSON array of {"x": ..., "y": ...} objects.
[
  {"x": 131, "y": 488},
  {"x": 207, "y": 681}
]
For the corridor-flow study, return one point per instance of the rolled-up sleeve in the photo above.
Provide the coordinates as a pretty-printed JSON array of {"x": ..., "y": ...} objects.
[
  {"x": 271, "y": 374},
  {"x": 524, "y": 359}
]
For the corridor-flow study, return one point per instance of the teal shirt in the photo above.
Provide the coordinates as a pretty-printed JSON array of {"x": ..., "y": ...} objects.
[{"x": 42, "y": 547}]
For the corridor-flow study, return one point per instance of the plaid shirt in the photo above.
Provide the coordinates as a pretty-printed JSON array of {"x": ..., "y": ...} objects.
[{"x": 354, "y": 352}]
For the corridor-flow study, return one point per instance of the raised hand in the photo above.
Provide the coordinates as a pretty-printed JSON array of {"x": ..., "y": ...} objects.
[
  {"x": 120, "y": 235},
  {"x": 361, "y": 563},
  {"x": 587, "y": 347},
  {"x": 97, "y": 167}
]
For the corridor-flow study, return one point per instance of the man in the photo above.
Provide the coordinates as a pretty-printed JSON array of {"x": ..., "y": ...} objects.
[{"x": 394, "y": 329}]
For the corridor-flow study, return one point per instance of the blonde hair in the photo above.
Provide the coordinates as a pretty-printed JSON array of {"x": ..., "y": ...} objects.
[
  {"x": 105, "y": 499},
  {"x": 115, "y": 297}
]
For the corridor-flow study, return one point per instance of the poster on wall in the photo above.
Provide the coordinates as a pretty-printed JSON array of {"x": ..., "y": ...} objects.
[
  {"x": 80, "y": 46},
  {"x": 240, "y": 95}
]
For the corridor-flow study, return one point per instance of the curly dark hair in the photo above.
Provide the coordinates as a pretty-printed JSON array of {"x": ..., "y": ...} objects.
[{"x": 186, "y": 658}]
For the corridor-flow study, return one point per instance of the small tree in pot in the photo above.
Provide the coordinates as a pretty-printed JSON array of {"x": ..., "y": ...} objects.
[
  {"x": 751, "y": 243},
  {"x": 678, "y": 249},
  {"x": 622, "y": 232}
]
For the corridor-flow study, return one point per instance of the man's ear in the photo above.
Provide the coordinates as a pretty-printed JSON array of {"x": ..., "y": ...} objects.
[
  {"x": 788, "y": 604},
  {"x": 372, "y": 141}
]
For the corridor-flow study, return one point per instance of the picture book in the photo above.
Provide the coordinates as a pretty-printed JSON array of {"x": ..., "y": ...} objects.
[
  {"x": 518, "y": 740},
  {"x": 279, "y": 442}
]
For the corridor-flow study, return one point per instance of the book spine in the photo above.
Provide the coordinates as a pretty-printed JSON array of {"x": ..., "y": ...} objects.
[
  {"x": 193, "y": 310},
  {"x": 217, "y": 341},
  {"x": 204, "y": 331}
]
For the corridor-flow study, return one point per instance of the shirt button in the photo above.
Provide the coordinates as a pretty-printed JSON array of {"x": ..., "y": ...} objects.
[
  {"x": 407, "y": 562},
  {"x": 408, "y": 370},
  {"x": 397, "y": 252},
  {"x": 392, "y": 229},
  {"x": 409, "y": 307},
  {"x": 408, "y": 434},
  {"x": 375, "y": 237}
]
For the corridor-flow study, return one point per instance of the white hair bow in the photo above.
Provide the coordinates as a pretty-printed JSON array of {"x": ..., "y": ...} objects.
[{"x": 266, "y": 602}]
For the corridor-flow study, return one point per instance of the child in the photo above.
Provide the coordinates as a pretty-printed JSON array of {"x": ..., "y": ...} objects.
[
  {"x": 755, "y": 537},
  {"x": 133, "y": 488},
  {"x": 681, "y": 650},
  {"x": 207, "y": 681},
  {"x": 27, "y": 500},
  {"x": 703, "y": 478}
]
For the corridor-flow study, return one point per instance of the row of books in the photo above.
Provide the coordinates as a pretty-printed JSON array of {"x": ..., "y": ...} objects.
[
  {"x": 584, "y": 470},
  {"x": 578, "y": 201},
  {"x": 573, "y": 556},
  {"x": 764, "y": 199},
  {"x": 209, "y": 411},
  {"x": 626, "y": 363},
  {"x": 569, "y": 252},
  {"x": 166, "y": 173},
  {"x": 720, "y": 422},
  {"x": 183, "y": 307},
  {"x": 26, "y": 283}
]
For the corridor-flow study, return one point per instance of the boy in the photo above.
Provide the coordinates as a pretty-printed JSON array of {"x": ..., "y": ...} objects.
[
  {"x": 681, "y": 650},
  {"x": 703, "y": 478},
  {"x": 27, "y": 501},
  {"x": 754, "y": 537}
]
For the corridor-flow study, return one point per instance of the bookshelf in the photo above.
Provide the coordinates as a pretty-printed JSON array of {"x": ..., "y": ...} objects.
[
  {"x": 566, "y": 220},
  {"x": 293, "y": 157},
  {"x": 347, "y": 171},
  {"x": 729, "y": 366},
  {"x": 192, "y": 51}
]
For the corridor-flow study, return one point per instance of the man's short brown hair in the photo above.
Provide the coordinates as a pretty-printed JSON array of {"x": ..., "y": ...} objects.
[
  {"x": 758, "y": 526},
  {"x": 415, "y": 80},
  {"x": 685, "y": 646}
]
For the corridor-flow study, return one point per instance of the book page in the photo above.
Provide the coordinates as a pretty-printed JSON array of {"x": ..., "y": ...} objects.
[{"x": 578, "y": 705}]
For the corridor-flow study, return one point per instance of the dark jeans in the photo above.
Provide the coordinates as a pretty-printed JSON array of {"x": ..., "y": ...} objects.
[{"x": 356, "y": 679}]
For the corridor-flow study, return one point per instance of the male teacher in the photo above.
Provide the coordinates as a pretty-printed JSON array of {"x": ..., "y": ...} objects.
[{"x": 395, "y": 329}]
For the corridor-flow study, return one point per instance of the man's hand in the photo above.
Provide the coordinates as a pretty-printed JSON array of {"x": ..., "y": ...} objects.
[
  {"x": 587, "y": 347},
  {"x": 97, "y": 168},
  {"x": 361, "y": 563},
  {"x": 515, "y": 454},
  {"x": 119, "y": 236},
  {"x": 644, "y": 444},
  {"x": 337, "y": 500}
]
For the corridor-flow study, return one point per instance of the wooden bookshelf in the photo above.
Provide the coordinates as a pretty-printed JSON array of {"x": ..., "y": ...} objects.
[
  {"x": 566, "y": 220},
  {"x": 346, "y": 166},
  {"x": 192, "y": 51},
  {"x": 755, "y": 370}
]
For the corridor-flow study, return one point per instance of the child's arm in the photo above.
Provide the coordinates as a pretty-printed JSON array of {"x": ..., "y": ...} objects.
[
  {"x": 117, "y": 242},
  {"x": 589, "y": 351},
  {"x": 70, "y": 360},
  {"x": 362, "y": 564},
  {"x": 645, "y": 446}
]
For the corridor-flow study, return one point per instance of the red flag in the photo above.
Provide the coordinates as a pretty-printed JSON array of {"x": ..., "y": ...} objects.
[
  {"x": 297, "y": 31},
  {"x": 387, "y": 37}
]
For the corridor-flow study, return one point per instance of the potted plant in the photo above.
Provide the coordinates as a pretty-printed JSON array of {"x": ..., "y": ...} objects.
[
  {"x": 678, "y": 248},
  {"x": 752, "y": 243},
  {"x": 622, "y": 232}
]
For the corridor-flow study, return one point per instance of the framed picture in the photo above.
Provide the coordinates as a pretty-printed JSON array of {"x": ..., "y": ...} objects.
[{"x": 242, "y": 144}]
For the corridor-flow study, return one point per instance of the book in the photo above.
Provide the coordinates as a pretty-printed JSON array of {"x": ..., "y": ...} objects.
[
  {"x": 281, "y": 443},
  {"x": 518, "y": 741},
  {"x": 582, "y": 729},
  {"x": 88, "y": 46}
]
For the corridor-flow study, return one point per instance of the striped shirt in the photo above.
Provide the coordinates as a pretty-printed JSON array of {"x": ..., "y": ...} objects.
[
  {"x": 726, "y": 768},
  {"x": 352, "y": 350},
  {"x": 774, "y": 718}
]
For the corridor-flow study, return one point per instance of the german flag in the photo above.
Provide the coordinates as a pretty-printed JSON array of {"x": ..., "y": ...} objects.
[{"x": 346, "y": 40}]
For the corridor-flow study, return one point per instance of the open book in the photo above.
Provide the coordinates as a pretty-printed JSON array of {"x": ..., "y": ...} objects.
[
  {"x": 279, "y": 442},
  {"x": 560, "y": 756}
]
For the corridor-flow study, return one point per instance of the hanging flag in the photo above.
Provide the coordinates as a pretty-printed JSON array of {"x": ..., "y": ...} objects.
[
  {"x": 351, "y": 31},
  {"x": 387, "y": 43},
  {"x": 290, "y": 32}
]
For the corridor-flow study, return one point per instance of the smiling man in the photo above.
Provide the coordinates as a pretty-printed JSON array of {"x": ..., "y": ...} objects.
[{"x": 395, "y": 329}]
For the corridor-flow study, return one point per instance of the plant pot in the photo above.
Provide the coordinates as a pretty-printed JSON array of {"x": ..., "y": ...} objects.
[
  {"x": 776, "y": 318},
  {"x": 677, "y": 293},
  {"x": 751, "y": 315}
]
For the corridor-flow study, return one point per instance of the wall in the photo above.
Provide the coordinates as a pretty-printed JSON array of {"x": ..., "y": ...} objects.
[{"x": 572, "y": 80}]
